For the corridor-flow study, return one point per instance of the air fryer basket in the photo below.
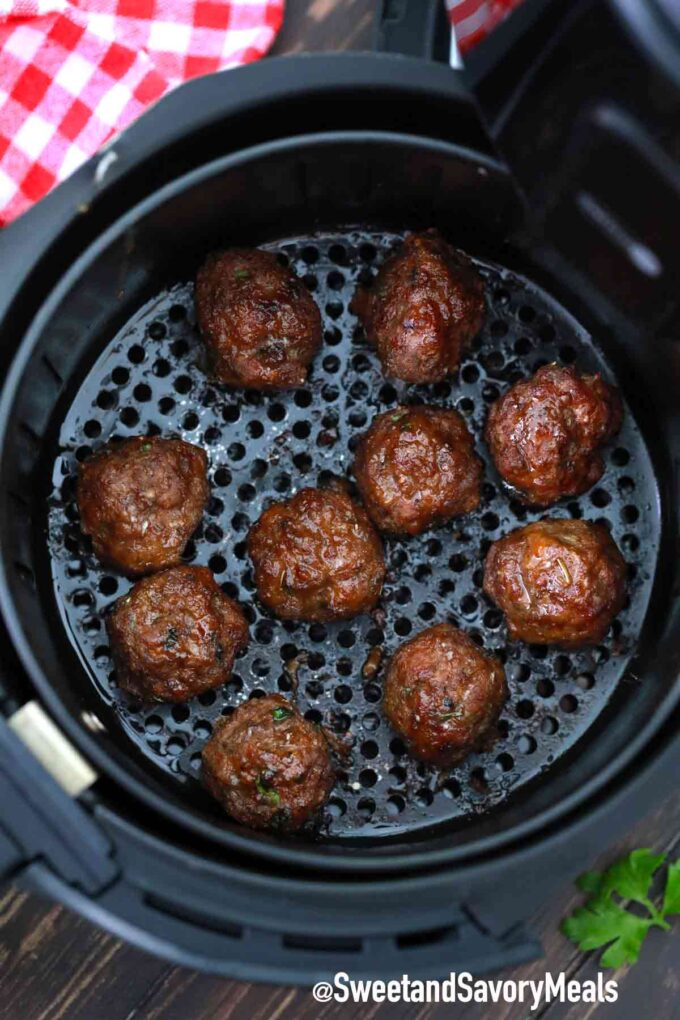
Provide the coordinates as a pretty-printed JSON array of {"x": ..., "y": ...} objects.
[
  {"x": 264, "y": 447},
  {"x": 95, "y": 365}
]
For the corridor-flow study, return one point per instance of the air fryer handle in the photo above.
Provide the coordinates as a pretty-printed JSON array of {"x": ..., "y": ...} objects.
[
  {"x": 567, "y": 93},
  {"x": 40, "y": 821},
  {"x": 421, "y": 28},
  {"x": 414, "y": 28}
]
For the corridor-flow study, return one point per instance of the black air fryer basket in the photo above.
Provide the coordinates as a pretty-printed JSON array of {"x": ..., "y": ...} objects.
[{"x": 327, "y": 161}]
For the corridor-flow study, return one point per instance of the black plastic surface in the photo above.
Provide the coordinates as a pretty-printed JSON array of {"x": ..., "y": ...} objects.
[
  {"x": 264, "y": 926},
  {"x": 44, "y": 822},
  {"x": 415, "y": 28}
]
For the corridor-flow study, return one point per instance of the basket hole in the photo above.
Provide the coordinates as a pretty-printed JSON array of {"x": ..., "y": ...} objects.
[
  {"x": 366, "y": 808},
  {"x": 525, "y": 709},
  {"x": 160, "y": 368},
  {"x": 600, "y": 498},
  {"x": 136, "y": 354},
  {"x": 92, "y": 429},
  {"x": 157, "y": 330},
  {"x": 343, "y": 694},
  {"x": 452, "y": 788},
  {"x": 620, "y": 456},
  {"x": 395, "y": 805},
  {"x": 372, "y": 693},
  {"x": 545, "y": 688},
  {"x": 568, "y": 703}
]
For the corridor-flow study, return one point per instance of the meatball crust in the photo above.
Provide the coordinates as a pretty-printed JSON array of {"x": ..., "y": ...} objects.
[
  {"x": 268, "y": 766},
  {"x": 443, "y": 694},
  {"x": 558, "y": 582},
  {"x": 317, "y": 557},
  {"x": 175, "y": 635},
  {"x": 545, "y": 432},
  {"x": 416, "y": 467},
  {"x": 425, "y": 306},
  {"x": 259, "y": 323},
  {"x": 141, "y": 499}
]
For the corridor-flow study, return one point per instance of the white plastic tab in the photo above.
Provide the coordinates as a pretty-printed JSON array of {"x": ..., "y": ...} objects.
[{"x": 53, "y": 750}]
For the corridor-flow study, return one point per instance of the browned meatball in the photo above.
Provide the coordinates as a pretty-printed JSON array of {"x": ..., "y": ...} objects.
[
  {"x": 416, "y": 467},
  {"x": 443, "y": 694},
  {"x": 175, "y": 635},
  {"x": 141, "y": 499},
  {"x": 544, "y": 433},
  {"x": 260, "y": 324},
  {"x": 426, "y": 304},
  {"x": 317, "y": 557},
  {"x": 268, "y": 766},
  {"x": 558, "y": 582}
]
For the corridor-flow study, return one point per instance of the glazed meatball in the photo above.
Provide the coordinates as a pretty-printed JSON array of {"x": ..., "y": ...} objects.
[
  {"x": 443, "y": 694},
  {"x": 558, "y": 582},
  {"x": 425, "y": 306},
  {"x": 268, "y": 766},
  {"x": 317, "y": 557},
  {"x": 140, "y": 500},
  {"x": 259, "y": 323},
  {"x": 545, "y": 432},
  {"x": 416, "y": 467},
  {"x": 175, "y": 635}
]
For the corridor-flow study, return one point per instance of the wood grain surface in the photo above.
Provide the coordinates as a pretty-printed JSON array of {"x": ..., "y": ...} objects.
[{"x": 55, "y": 965}]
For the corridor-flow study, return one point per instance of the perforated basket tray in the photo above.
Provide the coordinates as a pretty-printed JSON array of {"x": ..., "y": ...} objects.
[{"x": 261, "y": 448}]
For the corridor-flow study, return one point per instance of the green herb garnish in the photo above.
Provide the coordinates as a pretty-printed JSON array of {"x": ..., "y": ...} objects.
[
  {"x": 604, "y": 921},
  {"x": 279, "y": 714},
  {"x": 267, "y": 791},
  {"x": 242, "y": 273},
  {"x": 399, "y": 416},
  {"x": 450, "y": 715},
  {"x": 171, "y": 638},
  {"x": 145, "y": 447}
]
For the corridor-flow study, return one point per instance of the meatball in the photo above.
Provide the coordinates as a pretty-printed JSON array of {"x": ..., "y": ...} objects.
[
  {"x": 268, "y": 766},
  {"x": 317, "y": 557},
  {"x": 558, "y": 582},
  {"x": 443, "y": 694},
  {"x": 260, "y": 324},
  {"x": 141, "y": 499},
  {"x": 425, "y": 306},
  {"x": 545, "y": 432},
  {"x": 175, "y": 635},
  {"x": 415, "y": 467}
]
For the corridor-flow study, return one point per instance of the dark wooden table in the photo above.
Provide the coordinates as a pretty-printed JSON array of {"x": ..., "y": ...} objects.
[{"x": 54, "y": 965}]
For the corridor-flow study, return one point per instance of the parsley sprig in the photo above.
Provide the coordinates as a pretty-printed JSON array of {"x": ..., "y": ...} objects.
[
  {"x": 267, "y": 791},
  {"x": 606, "y": 921}
]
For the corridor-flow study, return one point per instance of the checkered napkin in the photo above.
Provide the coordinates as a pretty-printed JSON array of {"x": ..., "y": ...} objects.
[
  {"x": 74, "y": 72},
  {"x": 473, "y": 20}
]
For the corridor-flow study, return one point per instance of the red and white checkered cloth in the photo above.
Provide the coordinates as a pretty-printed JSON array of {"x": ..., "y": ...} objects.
[
  {"x": 75, "y": 72},
  {"x": 473, "y": 20}
]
